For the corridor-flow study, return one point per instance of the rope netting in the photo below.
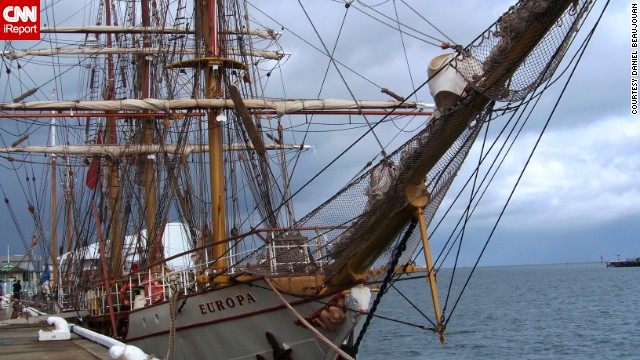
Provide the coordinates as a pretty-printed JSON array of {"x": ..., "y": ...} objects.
[
  {"x": 515, "y": 33},
  {"x": 509, "y": 61},
  {"x": 325, "y": 239}
]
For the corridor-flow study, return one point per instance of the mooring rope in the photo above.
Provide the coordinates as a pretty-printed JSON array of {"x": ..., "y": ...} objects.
[
  {"x": 306, "y": 323},
  {"x": 172, "y": 325}
]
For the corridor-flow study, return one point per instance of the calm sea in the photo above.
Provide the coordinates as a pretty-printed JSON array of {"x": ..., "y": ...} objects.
[{"x": 572, "y": 311}]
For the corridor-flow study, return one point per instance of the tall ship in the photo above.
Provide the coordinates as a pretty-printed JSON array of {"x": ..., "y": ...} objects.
[{"x": 171, "y": 156}]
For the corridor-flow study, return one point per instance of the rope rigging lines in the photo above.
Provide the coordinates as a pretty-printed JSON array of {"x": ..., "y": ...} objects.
[{"x": 521, "y": 112}]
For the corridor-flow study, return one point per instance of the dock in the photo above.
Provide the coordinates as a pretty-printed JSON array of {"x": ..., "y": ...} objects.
[
  {"x": 20, "y": 342},
  {"x": 624, "y": 263}
]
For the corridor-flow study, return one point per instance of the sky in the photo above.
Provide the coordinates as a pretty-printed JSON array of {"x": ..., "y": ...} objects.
[{"x": 578, "y": 200}]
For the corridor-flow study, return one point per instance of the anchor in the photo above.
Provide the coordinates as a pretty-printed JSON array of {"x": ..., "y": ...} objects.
[{"x": 279, "y": 352}]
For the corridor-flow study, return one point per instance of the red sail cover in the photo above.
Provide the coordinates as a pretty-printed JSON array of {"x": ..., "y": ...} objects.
[{"x": 93, "y": 175}]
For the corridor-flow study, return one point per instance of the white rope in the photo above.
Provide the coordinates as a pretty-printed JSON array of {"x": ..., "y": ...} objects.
[{"x": 306, "y": 323}]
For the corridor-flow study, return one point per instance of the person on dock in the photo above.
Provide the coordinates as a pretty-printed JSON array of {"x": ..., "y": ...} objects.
[
  {"x": 16, "y": 289},
  {"x": 17, "y": 310}
]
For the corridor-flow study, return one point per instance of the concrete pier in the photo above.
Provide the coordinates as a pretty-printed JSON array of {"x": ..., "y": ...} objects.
[{"x": 20, "y": 342}]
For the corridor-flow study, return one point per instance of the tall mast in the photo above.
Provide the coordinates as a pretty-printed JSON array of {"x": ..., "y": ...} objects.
[
  {"x": 54, "y": 214},
  {"x": 150, "y": 181},
  {"x": 68, "y": 195},
  {"x": 115, "y": 232},
  {"x": 213, "y": 78}
]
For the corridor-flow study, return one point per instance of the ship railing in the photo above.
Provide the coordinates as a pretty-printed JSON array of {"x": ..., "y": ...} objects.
[{"x": 156, "y": 287}]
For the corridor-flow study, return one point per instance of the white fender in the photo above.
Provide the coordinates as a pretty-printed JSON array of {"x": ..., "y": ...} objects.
[
  {"x": 362, "y": 297},
  {"x": 127, "y": 352}
]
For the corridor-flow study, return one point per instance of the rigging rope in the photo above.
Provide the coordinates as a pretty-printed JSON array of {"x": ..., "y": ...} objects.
[
  {"x": 306, "y": 323},
  {"x": 398, "y": 29},
  {"x": 404, "y": 46},
  {"x": 390, "y": 271},
  {"x": 428, "y": 22},
  {"x": 316, "y": 48},
  {"x": 344, "y": 81},
  {"x": 555, "y": 106}
]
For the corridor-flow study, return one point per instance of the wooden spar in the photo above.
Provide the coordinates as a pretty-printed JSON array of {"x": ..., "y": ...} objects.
[
  {"x": 54, "y": 206},
  {"x": 268, "y": 34},
  {"x": 281, "y": 107},
  {"x": 431, "y": 276},
  {"x": 180, "y": 115},
  {"x": 115, "y": 230},
  {"x": 54, "y": 224},
  {"x": 213, "y": 79},
  {"x": 109, "y": 51},
  {"x": 350, "y": 112},
  {"x": 148, "y": 136},
  {"x": 176, "y": 115},
  {"x": 114, "y": 30},
  {"x": 68, "y": 193},
  {"x": 105, "y": 272},
  {"x": 118, "y": 151}
]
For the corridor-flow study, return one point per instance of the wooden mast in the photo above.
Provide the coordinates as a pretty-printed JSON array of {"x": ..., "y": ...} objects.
[
  {"x": 213, "y": 81},
  {"x": 113, "y": 185},
  {"x": 68, "y": 194},
  {"x": 54, "y": 213},
  {"x": 148, "y": 131}
]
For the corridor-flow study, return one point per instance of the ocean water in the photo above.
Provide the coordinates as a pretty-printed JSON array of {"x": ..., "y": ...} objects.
[{"x": 569, "y": 311}]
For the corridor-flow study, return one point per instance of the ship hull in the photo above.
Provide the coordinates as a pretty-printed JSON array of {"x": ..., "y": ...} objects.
[{"x": 232, "y": 323}]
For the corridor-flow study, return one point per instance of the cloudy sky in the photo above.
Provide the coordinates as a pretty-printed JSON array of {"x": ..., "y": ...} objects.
[{"x": 578, "y": 200}]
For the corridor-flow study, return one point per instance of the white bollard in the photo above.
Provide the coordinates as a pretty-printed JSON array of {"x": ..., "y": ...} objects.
[{"x": 61, "y": 331}]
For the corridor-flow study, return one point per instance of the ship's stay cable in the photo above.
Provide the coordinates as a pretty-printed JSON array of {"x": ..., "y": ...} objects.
[
  {"x": 427, "y": 21},
  {"x": 506, "y": 109},
  {"x": 404, "y": 46},
  {"x": 335, "y": 159},
  {"x": 13, "y": 217},
  {"x": 488, "y": 175},
  {"x": 467, "y": 212},
  {"x": 400, "y": 247},
  {"x": 339, "y": 156},
  {"x": 449, "y": 243},
  {"x": 398, "y": 28},
  {"x": 425, "y": 316},
  {"x": 344, "y": 81},
  {"x": 309, "y": 121},
  {"x": 318, "y": 49},
  {"x": 542, "y": 132}
]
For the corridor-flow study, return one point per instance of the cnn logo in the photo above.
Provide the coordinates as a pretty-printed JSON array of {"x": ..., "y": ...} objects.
[{"x": 20, "y": 21}]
